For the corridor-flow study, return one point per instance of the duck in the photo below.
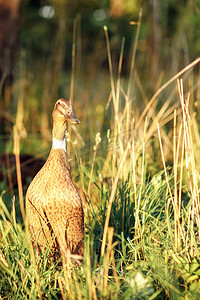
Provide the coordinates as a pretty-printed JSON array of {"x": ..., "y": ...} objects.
[{"x": 54, "y": 207}]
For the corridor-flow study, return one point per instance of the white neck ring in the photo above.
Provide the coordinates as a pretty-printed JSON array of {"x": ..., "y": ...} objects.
[{"x": 59, "y": 144}]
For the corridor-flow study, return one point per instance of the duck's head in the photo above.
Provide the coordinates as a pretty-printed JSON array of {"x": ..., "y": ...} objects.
[{"x": 63, "y": 111}]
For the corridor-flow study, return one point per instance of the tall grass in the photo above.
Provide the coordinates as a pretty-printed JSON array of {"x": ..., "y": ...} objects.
[{"x": 141, "y": 186}]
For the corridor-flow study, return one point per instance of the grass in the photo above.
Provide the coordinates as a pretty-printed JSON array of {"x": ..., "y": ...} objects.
[{"x": 141, "y": 184}]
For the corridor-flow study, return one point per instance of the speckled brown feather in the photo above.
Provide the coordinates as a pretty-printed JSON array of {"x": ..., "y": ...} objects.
[{"x": 54, "y": 207}]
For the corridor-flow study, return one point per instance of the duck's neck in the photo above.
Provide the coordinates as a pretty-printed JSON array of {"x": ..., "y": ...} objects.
[
  {"x": 57, "y": 144},
  {"x": 58, "y": 141}
]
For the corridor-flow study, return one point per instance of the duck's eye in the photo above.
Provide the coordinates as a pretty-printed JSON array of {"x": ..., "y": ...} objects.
[
  {"x": 59, "y": 102},
  {"x": 68, "y": 112}
]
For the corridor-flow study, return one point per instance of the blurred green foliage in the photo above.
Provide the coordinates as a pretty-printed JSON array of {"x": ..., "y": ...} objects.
[{"x": 178, "y": 23}]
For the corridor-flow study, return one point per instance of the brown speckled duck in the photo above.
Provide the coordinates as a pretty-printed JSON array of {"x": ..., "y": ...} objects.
[{"x": 54, "y": 207}]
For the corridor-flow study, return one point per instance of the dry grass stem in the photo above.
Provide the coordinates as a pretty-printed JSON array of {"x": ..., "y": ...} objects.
[
  {"x": 111, "y": 200},
  {"x": 164, "y": 86}
]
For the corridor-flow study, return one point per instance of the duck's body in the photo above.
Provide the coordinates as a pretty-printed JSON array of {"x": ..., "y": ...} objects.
[{"x": 54, "y": 207}]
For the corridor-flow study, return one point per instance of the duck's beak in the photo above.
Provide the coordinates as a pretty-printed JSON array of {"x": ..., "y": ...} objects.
[{"x": 72, "y": 118}]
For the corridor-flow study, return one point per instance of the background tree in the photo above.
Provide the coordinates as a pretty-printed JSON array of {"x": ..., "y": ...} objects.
[{"x": 9, "y": 30}]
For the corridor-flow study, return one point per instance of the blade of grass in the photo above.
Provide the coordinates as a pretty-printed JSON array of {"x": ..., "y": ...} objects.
[
  {"x": 111, "y": 200},
  {"x": 131, "y": 72},
  {"x": 195, "y": 62}
]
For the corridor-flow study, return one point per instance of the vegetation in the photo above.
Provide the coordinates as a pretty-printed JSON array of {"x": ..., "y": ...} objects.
[{"x": 134, "y": 157}]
